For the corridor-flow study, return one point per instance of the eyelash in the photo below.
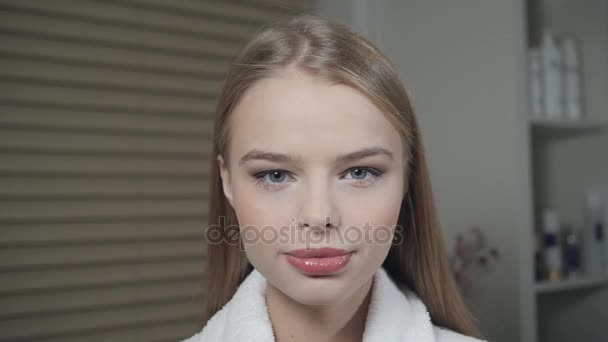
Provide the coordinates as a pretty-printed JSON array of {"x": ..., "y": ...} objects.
[{"x": 375, "y": 176}]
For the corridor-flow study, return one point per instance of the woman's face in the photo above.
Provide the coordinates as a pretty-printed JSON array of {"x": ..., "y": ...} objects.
[{"x": 288, "y": 177}]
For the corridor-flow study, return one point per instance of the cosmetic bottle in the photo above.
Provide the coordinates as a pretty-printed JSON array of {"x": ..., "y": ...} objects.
[
  {"x": 594, "y": 243},
  {"x": 552, "y": 245},
  {"x": 552, "y": 77},
  {"x": 571, "y": 77},
  {"x": 572, "y": 250}
]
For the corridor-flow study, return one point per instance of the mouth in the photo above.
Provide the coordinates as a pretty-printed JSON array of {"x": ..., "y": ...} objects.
[{"x": 319, "y": 262}]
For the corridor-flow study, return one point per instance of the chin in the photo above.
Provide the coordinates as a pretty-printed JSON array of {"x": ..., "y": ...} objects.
[
  {"x": 309, "y": 298},
  {"x": 319, "y": 290}
]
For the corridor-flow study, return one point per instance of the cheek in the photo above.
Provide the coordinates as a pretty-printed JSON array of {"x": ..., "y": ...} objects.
[
  {"x": 375, "y": 215},
  {"x": 377, "y": 208},
  {"x": 261, "y": 222},
  {"x": 254, "y": 207},
  {"x": 262, "y": 215}
]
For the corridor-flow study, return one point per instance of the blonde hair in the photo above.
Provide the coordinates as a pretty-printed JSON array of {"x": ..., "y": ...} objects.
[{"x": 332, "y": 52}]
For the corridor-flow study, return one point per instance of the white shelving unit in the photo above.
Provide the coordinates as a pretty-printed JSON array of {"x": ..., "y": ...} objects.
[{"x": 567, "y": 157}]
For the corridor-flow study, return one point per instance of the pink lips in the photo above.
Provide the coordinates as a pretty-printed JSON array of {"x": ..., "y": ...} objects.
[{"x": 321, "y": 261}]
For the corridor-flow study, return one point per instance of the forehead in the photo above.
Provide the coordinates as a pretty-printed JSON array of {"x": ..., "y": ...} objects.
[{"x": 298, "y": 114}]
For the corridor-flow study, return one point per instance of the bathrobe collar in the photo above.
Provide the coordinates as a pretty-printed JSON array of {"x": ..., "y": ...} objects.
[{"x": 394, "y": 315}]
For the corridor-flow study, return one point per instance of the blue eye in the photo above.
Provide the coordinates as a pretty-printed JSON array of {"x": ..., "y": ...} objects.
[
  {"x": 359, "y": 172},
  {"x": 359, "y": 175},
  {"x": 273, "y": 175},
  {"x": 277, "y": 177}
]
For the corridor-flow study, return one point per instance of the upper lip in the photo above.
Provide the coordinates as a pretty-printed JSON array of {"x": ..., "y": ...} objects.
[{"x": 317, "y": 252}]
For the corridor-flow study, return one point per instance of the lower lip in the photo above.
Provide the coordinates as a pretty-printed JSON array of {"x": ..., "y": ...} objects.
[{"x": 320, "y": 266}]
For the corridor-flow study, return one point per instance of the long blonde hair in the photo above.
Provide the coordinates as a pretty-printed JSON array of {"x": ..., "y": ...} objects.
[{"x": 332, "y": 52}]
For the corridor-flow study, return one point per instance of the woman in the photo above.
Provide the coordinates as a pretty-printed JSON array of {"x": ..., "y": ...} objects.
[{"x": 322, "y": 222}]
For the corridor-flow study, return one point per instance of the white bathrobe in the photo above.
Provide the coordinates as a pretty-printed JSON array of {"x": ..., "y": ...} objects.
[{"x": 393, "y": 315}]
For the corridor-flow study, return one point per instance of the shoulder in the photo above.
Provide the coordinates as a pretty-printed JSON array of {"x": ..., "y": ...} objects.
[
  {"x": 441, "y": 334},
  {"x": 447, "y": 335}
]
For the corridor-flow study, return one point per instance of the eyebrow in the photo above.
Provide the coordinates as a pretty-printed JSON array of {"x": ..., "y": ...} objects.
[{"x": 257, "y": 154}]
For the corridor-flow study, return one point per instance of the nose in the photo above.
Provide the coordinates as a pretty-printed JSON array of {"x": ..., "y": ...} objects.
[{"x": 318, "y": 208}]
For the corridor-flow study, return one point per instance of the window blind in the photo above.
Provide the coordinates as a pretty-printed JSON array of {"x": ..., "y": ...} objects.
[{"x": 106, "y": 119}]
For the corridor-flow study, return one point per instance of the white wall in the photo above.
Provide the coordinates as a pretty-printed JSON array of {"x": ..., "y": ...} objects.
[{"x": 463, "y": 61}]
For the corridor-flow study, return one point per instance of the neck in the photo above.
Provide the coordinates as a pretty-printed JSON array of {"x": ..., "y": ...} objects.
[{"x": 341, "y": 321}]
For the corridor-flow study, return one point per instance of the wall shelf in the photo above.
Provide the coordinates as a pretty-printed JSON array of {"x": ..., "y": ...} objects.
[
  {"x": 565, "y": 124},
  {"x": 570, "y": 284},
  {"x": 558, "y": 128}
]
